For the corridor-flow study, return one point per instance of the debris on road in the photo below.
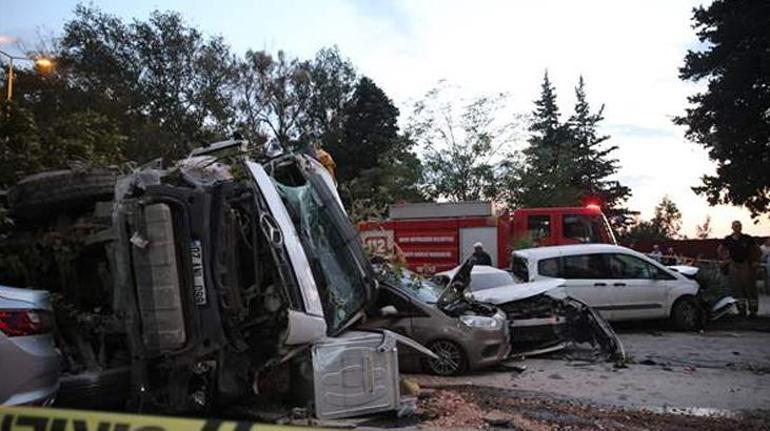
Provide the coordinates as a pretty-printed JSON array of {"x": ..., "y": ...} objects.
[{"x": 475, "y": 406}]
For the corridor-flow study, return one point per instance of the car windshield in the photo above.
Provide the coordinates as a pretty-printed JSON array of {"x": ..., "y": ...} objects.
[
  {"x": 420, "y": 288},
  {"x": 411, "y": 283}
]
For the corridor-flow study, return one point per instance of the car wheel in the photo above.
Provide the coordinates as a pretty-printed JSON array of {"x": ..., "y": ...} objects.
[
  {"x": 452, "y": 359},
  {"x": 685, "y": 314}
]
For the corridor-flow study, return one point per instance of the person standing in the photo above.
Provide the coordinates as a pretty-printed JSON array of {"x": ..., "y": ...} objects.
[
  {"x": 766, "y": 261},
  {"x": 741, "y": 252},
  {"x": 655, "y": 254},
  {"x": 481, "y": 256}
]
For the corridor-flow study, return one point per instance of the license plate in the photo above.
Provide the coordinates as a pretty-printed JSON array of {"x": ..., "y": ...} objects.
[{"x": 199, "y": 283}]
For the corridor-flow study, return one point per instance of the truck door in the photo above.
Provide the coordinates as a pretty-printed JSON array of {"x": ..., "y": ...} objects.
[{"x": 540, "y": 229}]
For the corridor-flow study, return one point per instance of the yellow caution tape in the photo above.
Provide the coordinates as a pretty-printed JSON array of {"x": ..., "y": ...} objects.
[{"x": 47, "y": 419}]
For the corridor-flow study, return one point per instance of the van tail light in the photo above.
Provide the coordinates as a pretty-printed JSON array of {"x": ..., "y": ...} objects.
[{"x": 19, "y": 323}]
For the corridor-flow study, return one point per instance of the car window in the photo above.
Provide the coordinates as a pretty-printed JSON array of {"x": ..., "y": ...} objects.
[
  {"x": 520, "y": 270},
  {"x": 548, "y": 267},
  {"x": 490, "y": 280},
  {"x": 387, "y": 297},
  {"x": 626, "y": 266},
  {"x": 583, "y": 228},
  {"x": 584, "y": 266},
  {"x": 539, "y": 226}
]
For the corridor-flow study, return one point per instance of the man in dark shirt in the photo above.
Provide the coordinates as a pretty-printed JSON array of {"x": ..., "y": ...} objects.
[
  {"x": 741, "y": 251},
  {"x": 481, "y": 256}
]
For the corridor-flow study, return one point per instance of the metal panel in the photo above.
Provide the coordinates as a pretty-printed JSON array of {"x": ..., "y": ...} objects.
[
  {"x": 355, "y": 374},
  {"x": 485, "y": 235},
  {"x": 441, "y": 210},
  {"x": 157, "y": 282}
]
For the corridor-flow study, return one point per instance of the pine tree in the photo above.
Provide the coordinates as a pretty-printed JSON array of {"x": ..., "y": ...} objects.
[
  {"x": 546, "y": 176},
  {"x": 592, "y": 161}
]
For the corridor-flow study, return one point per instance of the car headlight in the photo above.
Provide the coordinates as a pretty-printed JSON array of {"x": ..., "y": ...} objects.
[{"x": 482, "y": 322}]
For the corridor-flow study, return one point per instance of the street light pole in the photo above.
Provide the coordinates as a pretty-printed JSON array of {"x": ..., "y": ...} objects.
[
  {"x": 9, "y": 96},
  {"x": 41, "y": 62}
]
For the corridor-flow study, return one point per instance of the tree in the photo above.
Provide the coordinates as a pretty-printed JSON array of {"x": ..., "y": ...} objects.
[
  {"x": 567, "y": 163},
  {"x": 703, "y": 231},
  {"x": 730, "y": 118},
  {"x": 545, "y": 176},
  {"x": 593, "y": 163},
  {"x": 460, "y": 148},
  {"x": 375, "y": 165},
  {"x": 333, "y": 80},
  {"x": 664, "y": 225},
  {"x": 167, "y": 85},
  {"x": 274, "y": 97}
]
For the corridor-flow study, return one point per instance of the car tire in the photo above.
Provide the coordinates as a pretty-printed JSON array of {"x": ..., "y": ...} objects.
[
  {"x": 685, "y": 314},
  {"x": 453, "y": 360},
  {"x": 47, "y": 193}
]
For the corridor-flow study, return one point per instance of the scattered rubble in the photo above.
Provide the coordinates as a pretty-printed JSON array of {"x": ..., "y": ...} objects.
[{"x": 484, "y": 407}]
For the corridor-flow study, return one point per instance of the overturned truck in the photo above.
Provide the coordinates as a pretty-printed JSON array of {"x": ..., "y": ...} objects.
[{"x": 213, "y": 282}]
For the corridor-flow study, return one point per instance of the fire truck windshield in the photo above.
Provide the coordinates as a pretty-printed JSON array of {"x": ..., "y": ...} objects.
[{"x": 586, "y": 228}]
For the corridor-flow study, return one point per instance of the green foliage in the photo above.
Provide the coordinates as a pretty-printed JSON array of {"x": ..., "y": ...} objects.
[
  {"x": 164, "y": 84},
  {"x": 664, "y": 225},
  {"x": 461, "y": 144},
  {"x": 566, "y": 163},
  {"x": 273, "y": 97},
  {"x": 31, "y": 145},
  {"x": 703, "y": 231},
  {"x": 730, "y": 118},
  {"x": 375, "y": 165}
]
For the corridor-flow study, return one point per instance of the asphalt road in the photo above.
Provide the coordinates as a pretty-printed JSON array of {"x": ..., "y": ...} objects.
[{"x": 719, "y": 371}]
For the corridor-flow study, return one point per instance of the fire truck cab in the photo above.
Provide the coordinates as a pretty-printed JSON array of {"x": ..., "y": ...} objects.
[{"x": 434, "y": 237}]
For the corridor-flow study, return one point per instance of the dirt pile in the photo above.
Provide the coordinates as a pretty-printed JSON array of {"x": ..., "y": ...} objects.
[{"x": 474, "y": 407}]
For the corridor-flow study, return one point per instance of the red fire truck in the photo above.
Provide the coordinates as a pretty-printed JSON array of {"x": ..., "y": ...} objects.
[{"x": 437, "y": 236}]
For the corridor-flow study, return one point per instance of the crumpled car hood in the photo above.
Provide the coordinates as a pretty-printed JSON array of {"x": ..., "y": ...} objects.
[{"x": 516, "y": 292}]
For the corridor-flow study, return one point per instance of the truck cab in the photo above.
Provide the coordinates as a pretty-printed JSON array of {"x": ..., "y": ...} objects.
[{"x": 560, "y": 226}]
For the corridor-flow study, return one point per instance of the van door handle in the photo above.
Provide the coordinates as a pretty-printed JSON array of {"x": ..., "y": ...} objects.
[
  {"x": 600, "y": 284},
  {"x": 619, "y": 284}
]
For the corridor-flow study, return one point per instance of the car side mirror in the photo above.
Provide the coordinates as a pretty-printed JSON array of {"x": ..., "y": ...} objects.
[{"x": 388, "y": 311}]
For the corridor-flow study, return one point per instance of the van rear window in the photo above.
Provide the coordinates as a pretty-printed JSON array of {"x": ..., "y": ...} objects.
[
  {"x": 548, "y": 267},
  {"x": 519, "y": 269}
]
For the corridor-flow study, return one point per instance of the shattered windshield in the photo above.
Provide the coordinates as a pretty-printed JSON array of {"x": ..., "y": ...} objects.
[
  {"x": 341, "y": 283},
  {"x": 419, "y": 288}
]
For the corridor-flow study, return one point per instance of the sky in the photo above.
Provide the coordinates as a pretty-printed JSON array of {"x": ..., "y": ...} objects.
[{"x": 628, "y": 53}]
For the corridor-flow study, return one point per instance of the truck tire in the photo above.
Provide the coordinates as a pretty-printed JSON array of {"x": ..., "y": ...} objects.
[{"x": 44, "y": 194}]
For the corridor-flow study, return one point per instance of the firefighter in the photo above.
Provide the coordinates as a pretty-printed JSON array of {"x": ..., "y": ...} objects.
[
  {"x": 327, "y": 161},
  {"x": 741, "y": 252},
  {"x": 481, "y": 256}
]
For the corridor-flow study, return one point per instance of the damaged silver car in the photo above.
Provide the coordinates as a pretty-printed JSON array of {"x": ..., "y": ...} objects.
[{"x": 542, "y": 317}]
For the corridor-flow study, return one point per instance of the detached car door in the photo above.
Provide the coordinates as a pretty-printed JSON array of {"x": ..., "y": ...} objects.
[
  {"x": 586, "y": 279},
  {"x": 639, "y": 288}
]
